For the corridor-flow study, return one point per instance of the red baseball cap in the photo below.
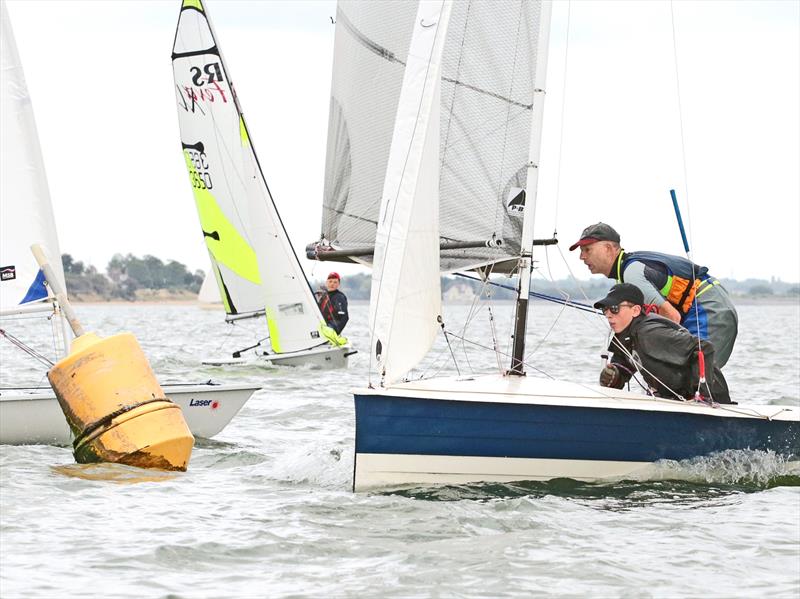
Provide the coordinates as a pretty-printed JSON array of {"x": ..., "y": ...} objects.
[
  {"x": 596, "y": 232},
  {"x": 335, "y": 275}
]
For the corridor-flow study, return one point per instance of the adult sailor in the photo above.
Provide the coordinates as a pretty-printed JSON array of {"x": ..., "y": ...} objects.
[{"x": 683, "y": 292}]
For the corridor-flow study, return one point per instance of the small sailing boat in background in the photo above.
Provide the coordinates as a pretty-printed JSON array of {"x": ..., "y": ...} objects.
[
  {"x": 466, "y": 82},
  {"x": 32, "y": 414},
  {"x": 253, "y": 262},
  {"x": 208, "y": 296}
]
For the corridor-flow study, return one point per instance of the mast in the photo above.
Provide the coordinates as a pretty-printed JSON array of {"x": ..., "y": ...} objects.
[{"x": 526, "y": 246}]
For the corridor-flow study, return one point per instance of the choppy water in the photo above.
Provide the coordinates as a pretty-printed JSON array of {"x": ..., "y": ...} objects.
[{"x": 266, "y": 508}]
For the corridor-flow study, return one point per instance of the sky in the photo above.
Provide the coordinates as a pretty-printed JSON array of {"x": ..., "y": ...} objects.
[{"x": 622, "y": 125}]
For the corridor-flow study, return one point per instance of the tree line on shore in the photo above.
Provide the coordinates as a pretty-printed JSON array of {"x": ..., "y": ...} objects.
[
  {"x": 127, "y": 277},
  {"x": 131, "y": 278}
]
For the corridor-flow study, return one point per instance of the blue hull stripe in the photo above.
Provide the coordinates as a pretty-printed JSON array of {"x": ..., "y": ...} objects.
[{"x": 400, "y": 425}]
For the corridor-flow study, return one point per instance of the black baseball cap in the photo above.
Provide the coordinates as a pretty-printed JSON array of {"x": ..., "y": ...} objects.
[
  {"x": 622, "y": 292},
  {"x": 596, "y": 232}
]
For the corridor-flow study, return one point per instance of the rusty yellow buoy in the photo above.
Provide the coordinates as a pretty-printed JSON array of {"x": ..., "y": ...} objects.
[{"x": 115, "y": 407}]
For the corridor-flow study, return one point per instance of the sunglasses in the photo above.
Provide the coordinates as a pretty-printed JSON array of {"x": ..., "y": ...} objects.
[{"x": 615, "y": 308}]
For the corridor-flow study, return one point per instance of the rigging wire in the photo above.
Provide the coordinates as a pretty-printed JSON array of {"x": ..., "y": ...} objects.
[
  {"x": 504, "y": 354},
  {"x": 701, "y": 357},
  {"x": 26, "y": 348},
  {"x": 563, "y": 112},
  {"x": 680, "y": 122},
  {"x": 447, "y": 339}
]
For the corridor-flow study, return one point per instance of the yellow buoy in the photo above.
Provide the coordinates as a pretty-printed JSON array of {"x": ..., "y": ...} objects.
[{"x": 115, "y": 407}]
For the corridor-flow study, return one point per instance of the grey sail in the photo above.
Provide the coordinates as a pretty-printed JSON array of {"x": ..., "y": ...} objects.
[{"x": 487, "y": 93}]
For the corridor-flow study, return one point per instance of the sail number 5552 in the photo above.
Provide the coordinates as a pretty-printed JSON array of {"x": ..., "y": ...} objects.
[{"x": 201, "y": 178}]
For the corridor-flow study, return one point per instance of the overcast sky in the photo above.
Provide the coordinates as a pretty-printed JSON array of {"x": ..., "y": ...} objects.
[{"x": 100, "y": 78}]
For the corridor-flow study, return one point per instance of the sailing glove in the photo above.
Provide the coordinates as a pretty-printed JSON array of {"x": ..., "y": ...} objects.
[{"x": 610, "y": 377}]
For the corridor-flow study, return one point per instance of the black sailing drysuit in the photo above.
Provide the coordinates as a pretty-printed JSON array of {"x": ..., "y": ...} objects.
[{"x": 665, "y": 354}]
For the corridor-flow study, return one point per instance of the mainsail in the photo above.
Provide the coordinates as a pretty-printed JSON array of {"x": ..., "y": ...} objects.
[
  {"x": 253, "y": 262},
  {"x": 26, "y": 215},
  {"x": 487, "y": 85}
]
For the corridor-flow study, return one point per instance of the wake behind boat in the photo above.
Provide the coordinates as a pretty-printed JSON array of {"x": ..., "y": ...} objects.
[{"x": 253, "y": 262}]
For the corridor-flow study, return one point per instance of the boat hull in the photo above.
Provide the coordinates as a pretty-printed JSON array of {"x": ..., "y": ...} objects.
[
  {"x": 502, "y": 431},
  {"x": 33, "y": 416},
  {"x": 322, "y": 358}
]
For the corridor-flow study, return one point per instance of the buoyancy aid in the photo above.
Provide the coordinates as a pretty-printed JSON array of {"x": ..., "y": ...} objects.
[
  {"x": 683, "y": 277},
  {"x": 326, "y": 307}
]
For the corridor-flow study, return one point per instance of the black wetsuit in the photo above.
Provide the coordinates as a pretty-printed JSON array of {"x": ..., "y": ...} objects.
[
  {"x": 666, "y": 355},
  {"x": 333, "y": 305}
]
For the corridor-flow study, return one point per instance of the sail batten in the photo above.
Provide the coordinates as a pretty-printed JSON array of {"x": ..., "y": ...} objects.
[{"x": 254, "y": 264}]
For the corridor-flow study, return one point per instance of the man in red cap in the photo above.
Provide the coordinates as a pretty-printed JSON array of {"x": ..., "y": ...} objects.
[
  {"x": 683, "y": 292},
  {"x": 333, "y": 304}
]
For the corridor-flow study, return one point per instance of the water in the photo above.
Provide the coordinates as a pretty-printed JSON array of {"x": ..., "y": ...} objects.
[{"x": 265, "y": 508}]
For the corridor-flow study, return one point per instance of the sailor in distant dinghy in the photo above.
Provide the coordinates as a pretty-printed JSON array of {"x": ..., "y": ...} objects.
[
  {"x": 684, "y": 292},
  {"x": 663, "y": 352},
  {"x": 333, "y": 304}
]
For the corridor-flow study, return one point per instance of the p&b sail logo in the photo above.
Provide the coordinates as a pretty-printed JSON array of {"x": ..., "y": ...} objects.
[
  {"x": 515, "y": 201},
  {"x": 8, "y": 273}
]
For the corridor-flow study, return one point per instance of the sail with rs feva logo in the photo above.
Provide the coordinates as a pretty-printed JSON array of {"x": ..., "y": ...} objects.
[{"x": 253, "y": 262}]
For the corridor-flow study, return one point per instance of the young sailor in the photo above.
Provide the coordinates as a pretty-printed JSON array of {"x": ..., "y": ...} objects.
[
  {"x": 664, "y": 353},
  {"x": 682, "y": 291},
  {"x": 333, "y": 304}
]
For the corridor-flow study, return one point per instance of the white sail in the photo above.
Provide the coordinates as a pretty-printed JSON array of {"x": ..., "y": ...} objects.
[
  {"x": 26, "y": 214},
  {"x": 253, "y": 262},
  {"x": 209, "y": 292},
  {"x": 406, "y": 294},
  {"x": 488, "y": 69}
]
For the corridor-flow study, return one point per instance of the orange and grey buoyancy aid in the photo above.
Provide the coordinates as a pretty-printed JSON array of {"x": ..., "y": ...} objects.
[{"x": 680, "y": 281}]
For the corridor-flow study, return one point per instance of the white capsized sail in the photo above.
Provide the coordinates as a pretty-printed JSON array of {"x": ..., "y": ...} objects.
[
  {"x": 489, "y": 67},
  {"x": 253, "y": 262},
  {"x": 406, "y": 296},
  {"x": 26, "y": 214}
]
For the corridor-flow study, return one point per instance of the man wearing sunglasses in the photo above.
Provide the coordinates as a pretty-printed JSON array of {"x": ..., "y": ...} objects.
[
  {"x": 682, "y": 291},
  {"x": 663, "y": 352}
]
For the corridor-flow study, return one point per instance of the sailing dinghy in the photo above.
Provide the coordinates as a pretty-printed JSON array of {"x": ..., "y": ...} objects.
[
  {"x": 32, "y": 415},
  {"x": 253, "y": 262},
  {"x": 467, "y": 118}
]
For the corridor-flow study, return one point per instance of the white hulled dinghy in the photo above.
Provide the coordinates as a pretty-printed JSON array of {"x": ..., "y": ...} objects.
[
  {"x": 32, "y": 415},
  {"x": 456, "y": 100},
  {"x": 253, "y": 262}
]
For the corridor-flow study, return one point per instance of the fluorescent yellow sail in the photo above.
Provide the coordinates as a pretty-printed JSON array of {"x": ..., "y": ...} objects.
[{"x": 224, "y": 242}]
